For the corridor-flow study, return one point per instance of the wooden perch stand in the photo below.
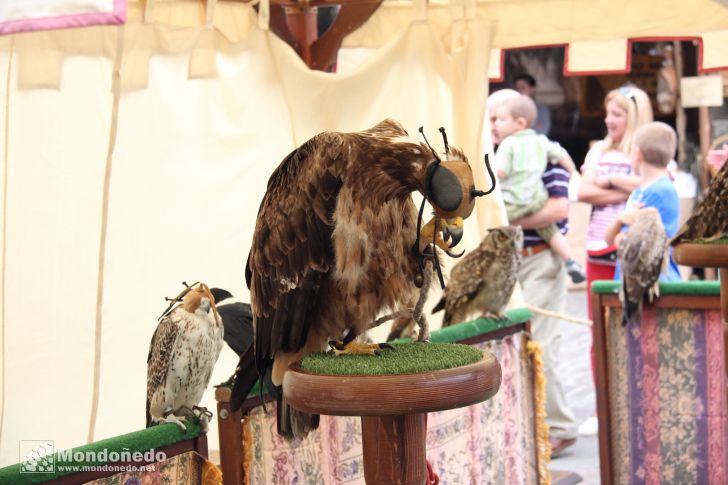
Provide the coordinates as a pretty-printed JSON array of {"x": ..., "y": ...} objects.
[
  {"x": 393, "y": 410},
  {"x": 707, "y": 256}
]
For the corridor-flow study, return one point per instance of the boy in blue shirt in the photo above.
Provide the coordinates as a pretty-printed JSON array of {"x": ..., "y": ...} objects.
[{"x": 653, "y": 147}]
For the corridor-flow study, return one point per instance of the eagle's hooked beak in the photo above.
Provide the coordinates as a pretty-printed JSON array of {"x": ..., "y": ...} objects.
[
  {"x": 452, "y": 230},
  {"x": 445, "y": 233}
]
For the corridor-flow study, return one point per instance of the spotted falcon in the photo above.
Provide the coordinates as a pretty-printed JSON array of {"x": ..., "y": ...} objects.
[{"x": 182, "y": 354}]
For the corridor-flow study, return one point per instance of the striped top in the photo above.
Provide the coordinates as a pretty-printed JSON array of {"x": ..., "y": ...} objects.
[
  {"x": 605, "y": 163},
  {"x": 556, "y": 181}
]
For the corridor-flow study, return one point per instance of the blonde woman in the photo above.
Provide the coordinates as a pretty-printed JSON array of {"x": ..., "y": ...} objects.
[
  {"x": 606, "y": 179},
  {"x": 606, "y": 184}
]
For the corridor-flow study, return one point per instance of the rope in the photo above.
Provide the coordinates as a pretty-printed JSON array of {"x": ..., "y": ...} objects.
[
  {"x": 560, "y": 316},
  {"x": 4, "y": 254},
  {"x": 98, "y": 327},
  {"x": 416, "y": 313}
]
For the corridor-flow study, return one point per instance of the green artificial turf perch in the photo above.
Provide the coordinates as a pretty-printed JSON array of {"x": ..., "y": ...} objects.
[
  {"x": 406, "y": 358},
  {"x": 153, "y": 438}
]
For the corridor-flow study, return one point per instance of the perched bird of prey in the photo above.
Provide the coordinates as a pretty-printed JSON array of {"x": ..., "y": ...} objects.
[
  {"x": 483, "y": 281},
  {"x": 182, "y": 354},
  {"x": 237, "y": 319},
  {"x": 642, "y": 256},
  {"x": 709, "y": 220},
  {"x": 336, "y": 242}
]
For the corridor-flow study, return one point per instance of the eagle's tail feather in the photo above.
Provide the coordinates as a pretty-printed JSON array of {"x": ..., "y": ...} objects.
[
  {"x": 246, "y": 376},
  {"x": 293, "y": 423},
  {"x": 631, "y": 312}
]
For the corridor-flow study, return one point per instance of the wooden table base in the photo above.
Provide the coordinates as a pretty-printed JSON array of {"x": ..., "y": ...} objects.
[
  {"x": 393, "y": 409},
  {"x": 394, "y": 449}
]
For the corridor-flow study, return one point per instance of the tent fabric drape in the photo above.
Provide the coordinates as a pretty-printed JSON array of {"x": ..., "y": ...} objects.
[
  {"x": 32, "y": 15},
  {"x": 204, "y": 117},
  {"x": 606, "y": 26}
]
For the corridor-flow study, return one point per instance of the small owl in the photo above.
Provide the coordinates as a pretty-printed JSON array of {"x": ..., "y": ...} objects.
[
  {"x": 483, "y": 281},
  {"x": 710, "y": 218},
  {"x": 642, "y": 256}
]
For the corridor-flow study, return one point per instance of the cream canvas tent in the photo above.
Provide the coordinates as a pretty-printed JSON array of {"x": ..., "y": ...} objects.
[{"x": 134, "y": 157}]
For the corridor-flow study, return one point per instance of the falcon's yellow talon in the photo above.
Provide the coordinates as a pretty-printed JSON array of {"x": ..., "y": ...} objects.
[{"x": 358, "y": 348}]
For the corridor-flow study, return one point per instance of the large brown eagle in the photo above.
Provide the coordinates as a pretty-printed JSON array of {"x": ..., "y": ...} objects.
[{"x": 336, "y": 244}]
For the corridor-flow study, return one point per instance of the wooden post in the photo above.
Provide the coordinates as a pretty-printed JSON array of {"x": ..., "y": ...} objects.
[
  {"x": 231, "y": 438},
  {"x": 394, "y": 449},
  {"x": 302, "y": 23},
  {"x": 393, "y": 410},
  {"x": 602, "y": 389},
  {"x": 201, "y": 445}
]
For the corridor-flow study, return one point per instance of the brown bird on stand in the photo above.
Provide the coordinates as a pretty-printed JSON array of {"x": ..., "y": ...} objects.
[
  {"x": 336, "y": 243},
  {"x": 642, "y": 255},
  {"x": 483, "y": 281}
]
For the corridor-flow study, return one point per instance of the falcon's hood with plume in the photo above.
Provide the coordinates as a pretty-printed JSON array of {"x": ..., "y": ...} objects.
[{"x": 334, "y": 245}]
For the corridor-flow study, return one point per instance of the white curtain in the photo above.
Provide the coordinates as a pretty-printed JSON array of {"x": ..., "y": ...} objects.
[{"x": 114, "y": 192}]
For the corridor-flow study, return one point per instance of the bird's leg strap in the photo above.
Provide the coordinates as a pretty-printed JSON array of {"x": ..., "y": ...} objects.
[
  {"x": 202, "y": 411},
  {"x": 391, "y": 316},
  {"x": 417, "y": 314}
]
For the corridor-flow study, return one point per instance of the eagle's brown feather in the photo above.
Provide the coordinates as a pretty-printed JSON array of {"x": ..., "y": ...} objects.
[
  {"x": 332, "y": 246},
  {"x": 709, "y": 220},
  {"x": 642, "y": 254}
]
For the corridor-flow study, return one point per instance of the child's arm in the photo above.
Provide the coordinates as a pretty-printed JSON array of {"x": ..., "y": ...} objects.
[
  {"x": 592, "y": 192},
  {"x": 625, "y": 182},
  {"x": 504, "y": 159},
  {"x": 567, "y": 163},
  {"x": 556, "y": 209}
]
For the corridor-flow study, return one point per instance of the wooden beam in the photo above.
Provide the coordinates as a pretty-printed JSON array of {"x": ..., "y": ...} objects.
[
  {"x": 350, "y": 17},
  {"x": 602, "y": 388},
  {"x": 296, "y": 24}
]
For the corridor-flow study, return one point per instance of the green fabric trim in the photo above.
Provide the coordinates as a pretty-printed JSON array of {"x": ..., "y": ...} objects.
[
  {"x": 477, "y": 327},
  {"x": 405, "y": 358},
  {"x": 147, "y": 439},
  {"x": 707, "y": 288}
]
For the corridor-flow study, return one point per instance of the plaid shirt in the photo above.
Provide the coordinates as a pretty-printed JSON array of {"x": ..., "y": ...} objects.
[{"x": 556, "y": 181}]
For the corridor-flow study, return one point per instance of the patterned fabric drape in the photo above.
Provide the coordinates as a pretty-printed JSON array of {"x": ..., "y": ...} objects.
[
  {"x": 667, "y": 384},
  {"x": 488, "y": 443},
  {"x": 186, "y": 469}
]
